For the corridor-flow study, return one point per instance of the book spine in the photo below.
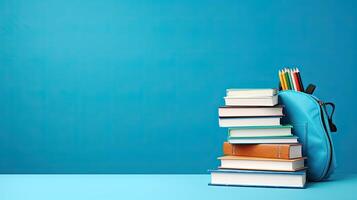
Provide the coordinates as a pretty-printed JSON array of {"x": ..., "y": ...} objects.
[{"x": 257, "y": 150}]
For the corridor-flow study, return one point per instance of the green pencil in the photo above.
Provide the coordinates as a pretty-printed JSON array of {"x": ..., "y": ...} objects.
[
  {"x": 286, "y": 74},
  {"x": 291, "y": 80}
]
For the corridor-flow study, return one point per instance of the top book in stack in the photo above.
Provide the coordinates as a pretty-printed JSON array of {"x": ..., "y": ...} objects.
[{"x": 251, "y": 97}]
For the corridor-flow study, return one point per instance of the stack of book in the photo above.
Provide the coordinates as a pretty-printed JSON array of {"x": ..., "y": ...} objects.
[{"x": 260, "y": 151}]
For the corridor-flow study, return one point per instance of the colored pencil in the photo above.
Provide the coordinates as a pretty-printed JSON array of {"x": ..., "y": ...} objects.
[
  {"x": 296, "y": 80},
  {"x": 299, "y": 79},
  {"x": 287, "y": 79},
  {"x": 284, "y": 80},
  {"x": 292, "y": 79},
  {"x": 281, "y": 80}
]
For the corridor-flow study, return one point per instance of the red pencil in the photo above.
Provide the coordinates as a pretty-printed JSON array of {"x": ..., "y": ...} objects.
[
  {"x": 296, "y": 78},
  {"x": 300, "y": 81}
]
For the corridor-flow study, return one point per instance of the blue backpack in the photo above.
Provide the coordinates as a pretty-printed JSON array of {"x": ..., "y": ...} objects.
[{"x": 313, "y": 125}]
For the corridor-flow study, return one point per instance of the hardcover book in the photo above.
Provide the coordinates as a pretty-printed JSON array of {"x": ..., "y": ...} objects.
[
  {"x": 251, "y": 93},
  {"x": 262, "y": 101},
  {"x": 257, "y": 163},
  {"x": 279, "y": 151},
  {"x": 223, "y": 177},
  {"x": 249, "y": 121},
  {"x": 260, "y": 131},
  {"x": 263, "y": 140},
  {"x": 250, "y": 111}
]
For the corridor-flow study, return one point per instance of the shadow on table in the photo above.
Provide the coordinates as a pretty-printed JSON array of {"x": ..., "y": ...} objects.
[{"x": 335, "y": 179}]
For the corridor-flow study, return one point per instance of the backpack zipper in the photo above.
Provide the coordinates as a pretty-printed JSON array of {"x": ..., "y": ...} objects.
[{"x": 327, "y": 134}]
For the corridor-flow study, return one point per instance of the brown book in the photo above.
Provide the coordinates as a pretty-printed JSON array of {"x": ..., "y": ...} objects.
[{"x": 279, "y": 151}]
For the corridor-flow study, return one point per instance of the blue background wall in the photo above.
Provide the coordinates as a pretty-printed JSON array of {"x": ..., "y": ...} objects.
[{"x": 133, "y": 86}]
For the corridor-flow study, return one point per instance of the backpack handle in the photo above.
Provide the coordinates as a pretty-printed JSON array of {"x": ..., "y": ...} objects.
[
  {"x": 310, "y": 89},
  {"x": 333, "y": 127}
]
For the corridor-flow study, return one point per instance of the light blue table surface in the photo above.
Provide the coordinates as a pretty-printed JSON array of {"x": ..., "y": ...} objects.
[{"x": 52, "y": 187}]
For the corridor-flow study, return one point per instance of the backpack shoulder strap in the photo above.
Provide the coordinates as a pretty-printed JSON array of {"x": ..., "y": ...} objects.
[{"x": 333, "y": 127}]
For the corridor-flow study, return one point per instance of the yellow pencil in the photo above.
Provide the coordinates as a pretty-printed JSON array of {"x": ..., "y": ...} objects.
[
  {"x": 284, "y": 81},
  {"x": 281, "y": 81}
]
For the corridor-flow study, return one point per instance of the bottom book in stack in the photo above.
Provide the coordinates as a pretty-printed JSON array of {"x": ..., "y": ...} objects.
[
  {"x": 267, "y": 165},
  {"x": 226, "y": 177}
]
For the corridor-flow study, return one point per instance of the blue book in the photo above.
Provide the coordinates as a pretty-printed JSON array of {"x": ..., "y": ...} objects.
[{"x": 253, "y": 178}]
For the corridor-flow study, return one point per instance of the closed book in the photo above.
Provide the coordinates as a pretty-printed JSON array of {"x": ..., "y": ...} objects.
[
  {"x": 260, "y": 131},
  {"x": 257, "y": 163},
  {"x": 279, "y": 151},
  {"x": 244, "y": 111},
  {"x": 254, "y": 178},
  {"x": 263, "y": 140},
  {"x": 249, "y": 121},
  {"x": 261, "y": 101},
  {"x": 251, "y": 93}
]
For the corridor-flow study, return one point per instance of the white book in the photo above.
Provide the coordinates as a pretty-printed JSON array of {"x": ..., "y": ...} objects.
[
  {"x": 250, "y": 121},
  {"x": 262, "y": 101},
  {"x": 252, "y": 111},
  {"x": 255, "y": 163},
  {"x": 263, "y": 140},
  {"x": 225, "y": 177},
  {"x": 260, "y": 131},
  {"x": 251, "y": 93}
]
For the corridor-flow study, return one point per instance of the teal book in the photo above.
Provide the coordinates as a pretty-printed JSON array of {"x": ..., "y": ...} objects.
[
  {"x": 264, "y": 140},
  {"x": 260, "y": 131}
]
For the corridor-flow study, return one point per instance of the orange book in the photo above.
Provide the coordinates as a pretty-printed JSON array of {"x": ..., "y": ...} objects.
[{"x": 279, "y": 151}]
